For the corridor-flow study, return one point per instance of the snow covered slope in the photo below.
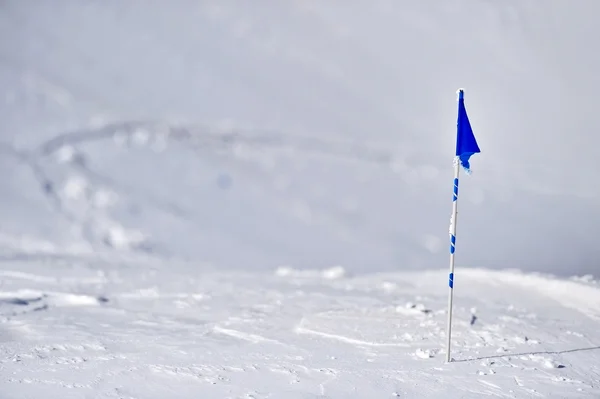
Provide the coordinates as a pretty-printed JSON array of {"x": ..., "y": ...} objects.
[{"x": 234, "y": 199}]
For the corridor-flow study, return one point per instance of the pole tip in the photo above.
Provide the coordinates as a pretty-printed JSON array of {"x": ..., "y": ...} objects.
[{"x": 461, "y": 94}]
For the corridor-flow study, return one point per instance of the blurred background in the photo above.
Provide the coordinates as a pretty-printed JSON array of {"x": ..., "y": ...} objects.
[{"x": 300, "y": 133}]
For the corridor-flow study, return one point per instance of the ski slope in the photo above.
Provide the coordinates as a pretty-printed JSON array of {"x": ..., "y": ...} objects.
[{"x": 221, "y": 199}]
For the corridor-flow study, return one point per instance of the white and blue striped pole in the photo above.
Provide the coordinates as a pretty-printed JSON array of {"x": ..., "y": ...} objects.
[
  {"x": 466, "y": 145},
  {"x": 452, "y": 250}
]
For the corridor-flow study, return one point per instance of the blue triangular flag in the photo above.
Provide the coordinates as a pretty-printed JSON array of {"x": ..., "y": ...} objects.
[{"x": 466, "y": 145}]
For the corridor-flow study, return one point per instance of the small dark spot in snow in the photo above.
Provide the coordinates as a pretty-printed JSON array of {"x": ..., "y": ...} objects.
[
  {"x": 473, "y": 319},
  {"x": 48, "y": 187},
  {"x": 102, "y": 299}
]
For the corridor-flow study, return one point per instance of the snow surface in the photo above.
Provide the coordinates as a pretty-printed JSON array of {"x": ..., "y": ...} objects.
[
  {"x": 230, "y": 199},
  {"x": 114, "y": 329}
]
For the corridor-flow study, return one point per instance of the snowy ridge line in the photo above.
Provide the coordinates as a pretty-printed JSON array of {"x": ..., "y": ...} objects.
[
  {"x": 86, "y": 135},
  {"x": 571, "y": 294},
  {"x": 224, "y": 138}
]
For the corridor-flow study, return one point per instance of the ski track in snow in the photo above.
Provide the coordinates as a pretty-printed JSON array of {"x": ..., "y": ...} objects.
[
  {"x": 292, "y": 334},
  {"x": 85, "y": 197}
]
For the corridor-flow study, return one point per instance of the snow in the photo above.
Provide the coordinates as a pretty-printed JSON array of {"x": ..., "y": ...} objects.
[
  {"x": 152, "y": 329},
  {"x": 225, "y": 200}
]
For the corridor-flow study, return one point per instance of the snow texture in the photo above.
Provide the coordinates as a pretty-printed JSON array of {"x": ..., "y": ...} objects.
[
  {"x": 244, "y": 200},
  {"x": 83, "y": 328}
]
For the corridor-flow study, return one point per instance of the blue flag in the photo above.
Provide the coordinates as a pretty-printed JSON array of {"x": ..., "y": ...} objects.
[{"x": 466, "y": 145}]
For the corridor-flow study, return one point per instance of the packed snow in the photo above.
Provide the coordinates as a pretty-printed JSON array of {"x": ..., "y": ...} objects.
[
  {"x": 75, "y": 328},
  {"x": 231, "y": 200}
]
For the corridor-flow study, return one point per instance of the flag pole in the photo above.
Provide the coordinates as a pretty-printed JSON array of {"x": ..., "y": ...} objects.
[
  {"x": 452, "y": 249},
  {"x": 452, "y": 230},
  {"x": 466, "y": 145}
]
